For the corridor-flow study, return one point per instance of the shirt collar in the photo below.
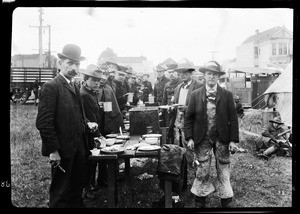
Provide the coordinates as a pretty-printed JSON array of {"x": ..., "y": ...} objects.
[
  {"x": 214, "y": 88},
  {"x": 68, "y": 81}
]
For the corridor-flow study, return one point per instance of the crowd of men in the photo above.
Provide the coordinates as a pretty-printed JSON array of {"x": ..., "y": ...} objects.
[{"x": 201, "y": 117}]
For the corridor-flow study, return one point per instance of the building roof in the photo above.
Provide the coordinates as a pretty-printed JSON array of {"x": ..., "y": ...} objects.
[
  {"x": 254, "y": 70},
  {"x": 264, "y": 35}
]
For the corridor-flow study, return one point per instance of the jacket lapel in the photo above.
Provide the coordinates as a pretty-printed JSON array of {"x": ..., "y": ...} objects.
[
  {"x": 191, "y": 89},
  {"x": 203, "y": 94},
  {"x": 219, "y": 93}
]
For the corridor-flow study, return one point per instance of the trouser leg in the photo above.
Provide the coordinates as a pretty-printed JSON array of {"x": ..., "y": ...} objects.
[
  {"x": 223, "y": 178},
  {"x": 79, "y": 176},
  {"x": 202, "y": 185}
]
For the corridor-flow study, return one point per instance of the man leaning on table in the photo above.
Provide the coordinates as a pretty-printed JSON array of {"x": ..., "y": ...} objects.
[
  {"x": 211, "y": 125},
  {"x": 63, "y": 128}
]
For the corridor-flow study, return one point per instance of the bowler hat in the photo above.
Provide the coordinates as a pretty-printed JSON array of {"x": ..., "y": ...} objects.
[
  {"x": 72, "y": 52},
  {"x": 212, "y": 66},
  {"x": 276, "y": 120},
  {"x": 92, "y": 71}
]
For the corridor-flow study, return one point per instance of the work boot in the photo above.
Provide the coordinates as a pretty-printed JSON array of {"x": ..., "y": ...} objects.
[
  {"x": 200, "y": 202},
  {"x": 226, "y": 202},
  {"x": 268, "y": 152}
]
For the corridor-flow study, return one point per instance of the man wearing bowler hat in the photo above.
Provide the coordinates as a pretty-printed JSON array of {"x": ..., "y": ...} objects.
[
  {"x": 63, "y": 127},
  {"x": 211, "y": 125}
]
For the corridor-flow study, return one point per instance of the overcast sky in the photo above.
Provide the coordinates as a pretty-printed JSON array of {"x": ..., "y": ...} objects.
[{"x": 156, "y": 33}]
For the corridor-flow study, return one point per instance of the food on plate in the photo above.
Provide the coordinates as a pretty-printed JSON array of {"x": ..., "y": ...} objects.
[{"x": 113, "y": 149}]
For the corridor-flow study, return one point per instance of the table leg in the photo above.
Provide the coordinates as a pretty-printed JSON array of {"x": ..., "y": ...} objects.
[
  {"x": 164, "y": 135},
  {"x": 112, "y": 188},
  {"x": 127, "y": 169},
  {"x": 168, "y": 194}
]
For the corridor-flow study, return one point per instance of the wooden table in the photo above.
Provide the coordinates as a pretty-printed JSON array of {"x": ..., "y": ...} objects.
[{"x": 112, "y": 169}]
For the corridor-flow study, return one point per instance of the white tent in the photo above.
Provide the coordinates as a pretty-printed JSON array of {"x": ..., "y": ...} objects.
[{"x": 281, "y": 90}]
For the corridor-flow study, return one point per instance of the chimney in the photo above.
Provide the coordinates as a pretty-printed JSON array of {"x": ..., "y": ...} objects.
[{"x": 257, "y": 31}]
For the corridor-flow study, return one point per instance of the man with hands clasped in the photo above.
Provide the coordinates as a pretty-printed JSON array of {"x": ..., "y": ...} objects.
[{"x": 211, "y": 126}]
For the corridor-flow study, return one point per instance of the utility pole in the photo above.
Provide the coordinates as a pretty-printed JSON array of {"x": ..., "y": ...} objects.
[
  {"x": 49, "y": 52},
  {"x": 213, "y": 54},
  {"x": 40, "y": 27}
]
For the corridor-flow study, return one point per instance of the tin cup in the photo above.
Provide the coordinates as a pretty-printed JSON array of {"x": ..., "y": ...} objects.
[
  {"x": 130, "y": 97},
  {"x": 107, "y": 106}
]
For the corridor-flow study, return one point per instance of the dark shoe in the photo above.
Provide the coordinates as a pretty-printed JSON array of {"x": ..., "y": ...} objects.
[
  {"x": 200, "y": 202},
  {"x": 226, "y": 203}
]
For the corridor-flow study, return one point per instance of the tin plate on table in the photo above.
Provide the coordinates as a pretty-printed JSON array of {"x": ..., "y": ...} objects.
[{"x": 149, "y": 148}]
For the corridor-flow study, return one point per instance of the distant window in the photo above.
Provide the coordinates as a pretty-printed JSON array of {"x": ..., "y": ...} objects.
[
  {"x": 280, "y": 49},
  {"x": 255, "y": 52},
  {"x": 274, "y": 49},
  {"x": 284, "y": 48}
]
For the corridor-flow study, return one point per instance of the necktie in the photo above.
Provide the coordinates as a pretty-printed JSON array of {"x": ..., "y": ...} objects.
[
  {"x": 211, "y": 94},
  {"x": 184, "y": 85}
]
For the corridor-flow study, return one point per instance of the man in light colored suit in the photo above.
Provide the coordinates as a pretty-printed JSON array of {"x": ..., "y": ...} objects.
[
  {"x": 63, "y": 127},
  {"x": 211, "y": 125}
]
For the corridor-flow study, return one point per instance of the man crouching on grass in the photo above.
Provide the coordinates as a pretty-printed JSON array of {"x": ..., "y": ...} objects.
[
  {"x": 211, "y": 124},
  {"x": 62, "y": 124}
]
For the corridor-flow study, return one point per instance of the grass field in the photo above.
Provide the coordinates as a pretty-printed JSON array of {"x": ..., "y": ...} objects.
[{"x": 256, "y": 183}]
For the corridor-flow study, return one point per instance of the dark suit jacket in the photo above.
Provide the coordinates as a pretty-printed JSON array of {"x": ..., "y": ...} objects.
[
  {"x": 114, "y": 119},
  {"x": 61, "y": 119},
  {"x": 195, "y": 123},
  {"x": 158, "y": 90},
  {"x": 92, "y": 110}
]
